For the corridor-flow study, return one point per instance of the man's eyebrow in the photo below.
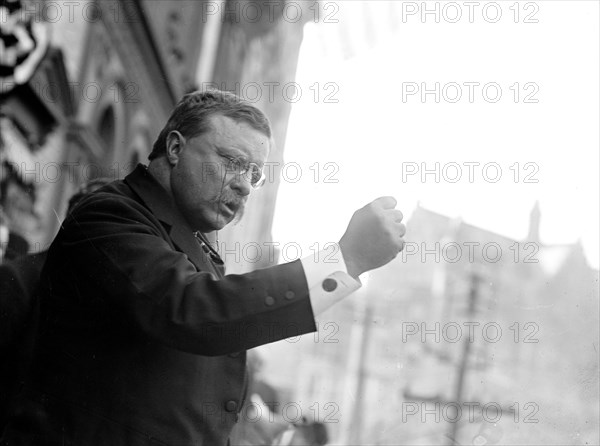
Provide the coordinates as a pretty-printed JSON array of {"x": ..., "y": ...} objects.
[
  {"x": 239, "y": 155},
  {"x": 228, "y": 152}
]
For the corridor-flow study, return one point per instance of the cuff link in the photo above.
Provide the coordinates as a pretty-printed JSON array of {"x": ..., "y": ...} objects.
[{"x": 329, "y": 284}]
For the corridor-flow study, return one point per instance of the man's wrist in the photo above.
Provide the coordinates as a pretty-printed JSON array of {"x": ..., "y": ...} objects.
[
  {"x": 353, "y": 270},
  {"x": 351, "y": 266}
]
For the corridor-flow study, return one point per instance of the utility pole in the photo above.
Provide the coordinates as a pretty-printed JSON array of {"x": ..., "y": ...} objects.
[
  {"x": 463, "y": 364},
  {"x": 356, "y": 371},
  {"x": 358, "y": 408}
]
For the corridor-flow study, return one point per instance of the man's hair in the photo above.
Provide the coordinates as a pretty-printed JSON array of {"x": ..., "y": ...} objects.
[{"x": 191, "y": 116}]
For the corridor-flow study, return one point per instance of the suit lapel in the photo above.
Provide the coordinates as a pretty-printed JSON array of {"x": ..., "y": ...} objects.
[{"x": 155, "y": 197}]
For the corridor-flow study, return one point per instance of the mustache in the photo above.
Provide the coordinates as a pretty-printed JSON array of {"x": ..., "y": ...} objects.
[{"x": 232, "y": 200}]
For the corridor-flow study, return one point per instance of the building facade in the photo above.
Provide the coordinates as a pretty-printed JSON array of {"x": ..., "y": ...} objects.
[{"x": 105, "y": 84}]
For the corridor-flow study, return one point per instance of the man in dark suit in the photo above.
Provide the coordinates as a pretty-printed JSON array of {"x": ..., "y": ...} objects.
[{"x": 145, "y": 337}]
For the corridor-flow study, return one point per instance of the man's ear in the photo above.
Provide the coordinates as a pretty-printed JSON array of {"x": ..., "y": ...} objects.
[{"x": 175, "y": 145}]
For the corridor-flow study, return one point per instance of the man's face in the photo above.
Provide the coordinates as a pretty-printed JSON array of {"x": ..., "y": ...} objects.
[{"x": 208, "y": 195}]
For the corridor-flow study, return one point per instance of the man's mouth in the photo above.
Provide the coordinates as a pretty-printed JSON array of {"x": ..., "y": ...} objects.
[{"x": 230, "y": 207}]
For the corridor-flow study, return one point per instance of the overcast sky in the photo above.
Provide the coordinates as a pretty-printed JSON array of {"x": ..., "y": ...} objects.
[{"x": 541, "y": 135}]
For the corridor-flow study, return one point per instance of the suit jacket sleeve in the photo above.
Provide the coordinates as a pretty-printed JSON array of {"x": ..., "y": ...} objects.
[{"x": 120, "y": 253}]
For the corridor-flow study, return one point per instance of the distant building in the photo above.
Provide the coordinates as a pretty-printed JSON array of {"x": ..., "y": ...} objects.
[{"x": 528, "y": 312}]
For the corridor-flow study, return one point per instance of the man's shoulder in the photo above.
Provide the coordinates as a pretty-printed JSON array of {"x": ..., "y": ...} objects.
[
  {"x": 114, "y": 205},
  {"x": 117, "y": 190},
  {"x": 115, "y": 195},
  {"x": 138, "y": 192}
]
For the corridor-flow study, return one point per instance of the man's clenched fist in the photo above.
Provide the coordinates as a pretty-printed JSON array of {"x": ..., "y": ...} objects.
[{"x": 373, "y": 237}]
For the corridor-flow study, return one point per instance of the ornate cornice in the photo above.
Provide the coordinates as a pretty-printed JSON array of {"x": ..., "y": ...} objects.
[{"x": 131, "y": 38}]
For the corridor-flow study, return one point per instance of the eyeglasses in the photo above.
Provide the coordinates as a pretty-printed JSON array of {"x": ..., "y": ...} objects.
[{"x": 251, "y": 171}]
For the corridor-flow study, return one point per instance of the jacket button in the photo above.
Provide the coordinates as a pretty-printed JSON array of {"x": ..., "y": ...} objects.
[
  {"x": 269, "y": 300},
  {"x": 289, "y": 295},
  {"x": 329, "y": 284},
  {"x": 231, "y": 406}
]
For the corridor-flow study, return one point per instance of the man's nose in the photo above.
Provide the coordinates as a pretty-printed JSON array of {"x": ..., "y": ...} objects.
[{"x": 241, "y": 184}]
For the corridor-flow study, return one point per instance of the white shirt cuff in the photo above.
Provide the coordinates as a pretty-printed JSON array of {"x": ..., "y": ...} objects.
[{"x": 327, "y": 278}]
